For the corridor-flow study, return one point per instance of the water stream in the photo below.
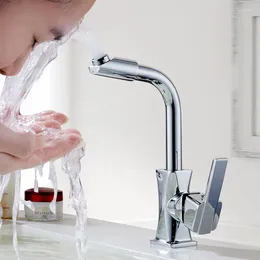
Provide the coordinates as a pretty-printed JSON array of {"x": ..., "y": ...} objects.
[{"x": 14, "y": 92}]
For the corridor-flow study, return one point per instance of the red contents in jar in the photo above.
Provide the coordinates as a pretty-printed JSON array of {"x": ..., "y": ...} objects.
[{"x": 44, "y": 195}]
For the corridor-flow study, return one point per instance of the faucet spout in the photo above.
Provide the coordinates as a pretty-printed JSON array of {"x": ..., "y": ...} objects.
[
  {"x": 173, "y": 115},
  {"x": 132, "y": 71}
]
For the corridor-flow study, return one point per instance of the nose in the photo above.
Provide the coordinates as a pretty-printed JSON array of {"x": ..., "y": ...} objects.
[
  {"x": 2, "y": 72},
  {"x": 11, "y": 70}
]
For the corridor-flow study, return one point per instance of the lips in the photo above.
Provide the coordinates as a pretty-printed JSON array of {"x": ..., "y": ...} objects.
[{"x": 2, "y": 72}]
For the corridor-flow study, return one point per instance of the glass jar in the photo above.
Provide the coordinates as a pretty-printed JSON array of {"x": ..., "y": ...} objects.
[{"x": 41, "y": 202}]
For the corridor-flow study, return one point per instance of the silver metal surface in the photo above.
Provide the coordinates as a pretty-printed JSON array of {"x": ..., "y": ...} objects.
[
  {"x": 179, "y": 210},
  {"x": 198, "y": 212},
  {"x": 130, "y": 71}
]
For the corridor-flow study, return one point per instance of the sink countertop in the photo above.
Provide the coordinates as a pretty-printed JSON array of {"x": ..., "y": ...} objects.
[{"x": 138, "y": 240}]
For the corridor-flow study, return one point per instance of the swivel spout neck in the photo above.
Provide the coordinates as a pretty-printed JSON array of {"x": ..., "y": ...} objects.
[{"x": 131, "y": 71}]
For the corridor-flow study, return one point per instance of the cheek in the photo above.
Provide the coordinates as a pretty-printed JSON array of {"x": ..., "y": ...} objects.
[
  {"x": 12, "y": 45},
  {"x": 8, "y": 54}
]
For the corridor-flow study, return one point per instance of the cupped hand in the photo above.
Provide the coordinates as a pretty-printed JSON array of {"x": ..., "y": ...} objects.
[{"x": 27, "y": 150}]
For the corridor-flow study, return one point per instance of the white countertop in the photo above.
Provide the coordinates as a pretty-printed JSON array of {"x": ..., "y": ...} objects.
[{"x": 137, "y": 240}]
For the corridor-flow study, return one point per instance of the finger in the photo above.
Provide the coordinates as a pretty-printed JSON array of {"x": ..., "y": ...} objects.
[
  {"x": 19, "y": 144},
  {"x": 59, "y": 117},
  {"x": 45, "y": 113},
  {"x": 58, "y": 135},
  {"x": 41, "y": 126},
  {"x": 71, "y": 131},
  {"x": 45, "y": 116},
  {"x": 41, "y": 114}
]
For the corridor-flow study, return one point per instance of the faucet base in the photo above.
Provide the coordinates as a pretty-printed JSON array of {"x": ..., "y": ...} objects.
[{"x": 163, "y": 244}]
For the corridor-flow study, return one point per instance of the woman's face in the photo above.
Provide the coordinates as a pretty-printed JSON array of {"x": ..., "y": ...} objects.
[{"x": 25, "y": 23}]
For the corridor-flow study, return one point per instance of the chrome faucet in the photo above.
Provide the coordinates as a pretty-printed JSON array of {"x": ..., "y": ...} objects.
[{"x": 180, "y": 211}]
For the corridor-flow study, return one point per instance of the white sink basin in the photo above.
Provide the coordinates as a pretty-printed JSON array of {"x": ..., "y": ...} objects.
[{"x": 108, "y": 241}]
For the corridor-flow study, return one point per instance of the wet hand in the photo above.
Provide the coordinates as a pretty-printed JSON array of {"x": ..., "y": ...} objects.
[
  {"x": 45, "y": 119},
  {"x": 26, "y": 150}
]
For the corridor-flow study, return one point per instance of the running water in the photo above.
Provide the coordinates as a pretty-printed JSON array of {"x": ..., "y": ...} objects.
[
  {"x": 71, "y": 165},
  {"x": 14, "y": 92}
]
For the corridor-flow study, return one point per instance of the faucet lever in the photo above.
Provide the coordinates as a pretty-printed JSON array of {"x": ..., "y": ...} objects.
[
  {"x": 215, "y": 182},
  {"x": 200, "y": 212}
]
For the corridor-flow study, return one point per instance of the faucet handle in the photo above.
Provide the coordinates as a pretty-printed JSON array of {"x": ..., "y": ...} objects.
[
  {"x": 215, "y": 182},
  {"x": 201, "y": 212}
]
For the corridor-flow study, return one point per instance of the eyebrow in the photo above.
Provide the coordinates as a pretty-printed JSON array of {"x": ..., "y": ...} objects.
[{"x": 57, "y": 33}]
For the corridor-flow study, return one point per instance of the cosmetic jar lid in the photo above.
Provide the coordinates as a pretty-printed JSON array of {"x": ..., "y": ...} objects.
[{"x": 44, "y": 195}]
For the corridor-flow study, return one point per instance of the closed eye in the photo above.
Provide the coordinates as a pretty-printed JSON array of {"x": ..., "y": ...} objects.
[
  {"x": 58, "y": 38},
  {"x": 34, "y": 42}
]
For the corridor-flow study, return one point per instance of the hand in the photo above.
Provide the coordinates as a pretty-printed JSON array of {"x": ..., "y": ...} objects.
[{"x": 26, "y": 150}]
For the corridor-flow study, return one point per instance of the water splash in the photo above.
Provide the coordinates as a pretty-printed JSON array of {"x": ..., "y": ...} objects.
[
  {"x": 15, "y": 212},
  {"x": 14, "y": 93},
  {"x": 53, "y": 179},
  {"x": 71, "y": 165},
  {"x": 4, "y": 180},
  {"x": 36, "y": 183}
]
